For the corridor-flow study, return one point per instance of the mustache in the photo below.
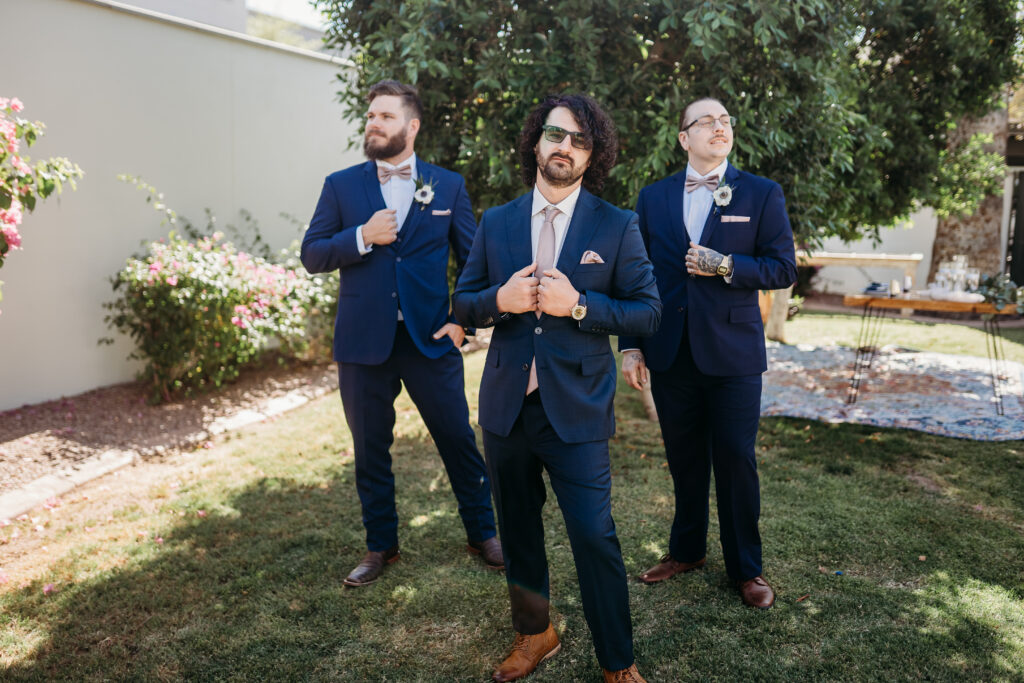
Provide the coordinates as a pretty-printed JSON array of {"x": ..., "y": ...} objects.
[{"x": 559, "y": 156}]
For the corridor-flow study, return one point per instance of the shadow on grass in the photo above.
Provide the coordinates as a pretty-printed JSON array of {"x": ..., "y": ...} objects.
[{"x": 253, "y": 591}]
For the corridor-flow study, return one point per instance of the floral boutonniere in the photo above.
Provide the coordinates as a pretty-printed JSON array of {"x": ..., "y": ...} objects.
[
  {"x": 424, "y": 193},
  {"x": 722, "y": 195}
]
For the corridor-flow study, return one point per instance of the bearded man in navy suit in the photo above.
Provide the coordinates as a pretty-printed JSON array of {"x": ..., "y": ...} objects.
[
  {"x": 387, "y": 226},
  {"x": 555, "y": 272},
  {"x": 716, "y": 236}
]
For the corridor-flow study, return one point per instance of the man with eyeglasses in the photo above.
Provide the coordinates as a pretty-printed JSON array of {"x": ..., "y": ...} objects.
[
  {"x": 557, "y": 271},
  {"x": 716, "y": 236}
]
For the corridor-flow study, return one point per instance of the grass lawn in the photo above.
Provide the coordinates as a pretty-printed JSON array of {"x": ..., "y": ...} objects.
[{"x": 896, "y": 555}]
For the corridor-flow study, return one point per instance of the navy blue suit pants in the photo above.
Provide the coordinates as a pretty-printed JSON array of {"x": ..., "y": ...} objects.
[
  {"x": 436, "y": 386},
  {"x": 580, "y": 475},
  {"x": 710, "y": 423}
]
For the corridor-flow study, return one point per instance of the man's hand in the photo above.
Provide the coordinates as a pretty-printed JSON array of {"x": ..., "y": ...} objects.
[
  {"x": 634, "y": 369},
  {"x": 555, "y": 294},
  {"x": 702, "y": 261},
  {"x": 519, "y": 294},
  {"x": 382, "y": 228},
  {"x": 455, "y": 332}
]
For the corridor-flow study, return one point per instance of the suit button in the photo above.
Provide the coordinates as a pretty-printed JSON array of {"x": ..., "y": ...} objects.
[
  {"x": 398, "y": 260},
  {"x": 394, "y": 295},
  {"x": 680, "y": 309},
  {"x": 537, "y": 330},
  {"x": 526, "y": 367}
]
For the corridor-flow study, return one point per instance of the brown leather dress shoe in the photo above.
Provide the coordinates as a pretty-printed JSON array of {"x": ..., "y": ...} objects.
[
  {"x": 489, "y": 551},
  {"x": 527, "y": 652},
  {"x": 370, "y": 569},
  {"x": 630, "y": 675},
  {"x": 667, "y": 568},
  {"x": 757, "y": 593}
]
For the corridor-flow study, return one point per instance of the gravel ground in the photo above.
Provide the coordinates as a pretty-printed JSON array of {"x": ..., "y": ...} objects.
[{"x": 40, "y": 439}]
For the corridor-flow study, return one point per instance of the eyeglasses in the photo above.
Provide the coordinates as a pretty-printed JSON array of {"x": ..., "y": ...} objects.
[
  {"x": 708, "y": 122},
  {"x": 556, "y": 135}
]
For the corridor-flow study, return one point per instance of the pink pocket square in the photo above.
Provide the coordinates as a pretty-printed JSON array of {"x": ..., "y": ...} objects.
[
  {"x": 437, "y": 212},
  {"x": 735, "y": 219},
  {"x": 591, "y": 257}
]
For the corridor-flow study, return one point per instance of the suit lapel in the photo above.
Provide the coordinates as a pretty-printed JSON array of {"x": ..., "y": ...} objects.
[
  {"x": 715, "y": 214},
  {"x": 579, "y": 233},
  {"x": 426, "y": 174},
  {"x": 374, "y": 198},
  {"x": 677, "y": 190},
  {"x": 517, "y": 232}
]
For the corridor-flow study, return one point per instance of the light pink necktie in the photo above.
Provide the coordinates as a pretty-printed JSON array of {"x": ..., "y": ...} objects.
[
  {"x": 384, "y": 173},
  {"x": 693, "y": 182},
  {"x": 545, "y": 261}
]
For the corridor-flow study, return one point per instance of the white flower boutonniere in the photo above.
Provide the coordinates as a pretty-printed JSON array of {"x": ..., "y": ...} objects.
[
  {"x": 424, "y": 192},
  {"x": 722, "y": 195}
]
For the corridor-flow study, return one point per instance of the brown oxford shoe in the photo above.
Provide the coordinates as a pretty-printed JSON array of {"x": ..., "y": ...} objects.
[
  {"x": 527, "y": 652},
  {"x": 370, "y": 569},
  {"x": 630, "y": 675},
  {"x": 757, "y": 593},
  {"x": 489, "y": 551},
  {"x": 667, "y": 568}
]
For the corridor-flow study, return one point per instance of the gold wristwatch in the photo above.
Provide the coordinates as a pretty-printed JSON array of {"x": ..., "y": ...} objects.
[
  {"x": 725, "y": 266},
  {"x": 579, "y": 311}
]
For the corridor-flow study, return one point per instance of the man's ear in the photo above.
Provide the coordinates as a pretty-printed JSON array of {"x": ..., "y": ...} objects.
[
  {"x": 684, "y": 140},
  {"x": 414, "y": 126}
]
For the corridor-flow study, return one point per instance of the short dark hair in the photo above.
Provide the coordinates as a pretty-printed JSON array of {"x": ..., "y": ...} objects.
[
  {"x": 596, "y": 126},
  {"x": 686, "y": 109},
  {"x": 410, "y": 96}
]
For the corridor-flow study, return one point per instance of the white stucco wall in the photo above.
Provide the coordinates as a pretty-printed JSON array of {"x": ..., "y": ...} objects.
[
  {"x": 211, "y": 119},
  {"x": 916, "y": 236},
  {"x": 229, "y": 14}
]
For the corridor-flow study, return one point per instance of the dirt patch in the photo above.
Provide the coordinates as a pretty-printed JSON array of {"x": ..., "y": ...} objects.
[{"x": 39, "y": 439}]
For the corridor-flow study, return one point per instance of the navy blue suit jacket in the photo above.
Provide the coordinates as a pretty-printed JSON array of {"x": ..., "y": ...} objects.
[
  {"x": 575, "y": 365},
  {"x": 722, "y": 320},
  {"x": 411, "y": 272}
]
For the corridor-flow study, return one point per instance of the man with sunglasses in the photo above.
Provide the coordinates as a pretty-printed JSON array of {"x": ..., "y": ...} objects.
[
  {"x": 557, "y": 271},
  {"x": 716, "y": 236}
]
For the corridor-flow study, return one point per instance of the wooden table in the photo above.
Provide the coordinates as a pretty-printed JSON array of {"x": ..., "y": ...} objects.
[{"x": 875, "y": 310}]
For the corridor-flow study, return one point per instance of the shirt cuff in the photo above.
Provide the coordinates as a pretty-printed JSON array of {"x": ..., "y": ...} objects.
[{"x": 360, "y": 245}]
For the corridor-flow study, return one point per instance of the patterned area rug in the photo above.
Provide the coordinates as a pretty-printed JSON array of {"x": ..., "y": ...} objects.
[{"x": 931, "y": 392}]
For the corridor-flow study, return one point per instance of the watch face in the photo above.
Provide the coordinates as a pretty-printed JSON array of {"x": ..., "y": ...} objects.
[{"x": 578, "y": 312}]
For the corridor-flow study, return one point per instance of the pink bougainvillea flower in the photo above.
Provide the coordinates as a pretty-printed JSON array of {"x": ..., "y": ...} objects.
[
  {"x": 4, "y": 102},
  {"x": 49, "y": 588},
  {"x": 201, "y": 513},
  {"x": 16, "y": 104},
  {"x": 155, "y": 267},
  {"x": 159, "y": 540},
  {"x": 239, "y": 322},
  {"x": 11, "y": 235},
  {"x": 172, "y": 280}
]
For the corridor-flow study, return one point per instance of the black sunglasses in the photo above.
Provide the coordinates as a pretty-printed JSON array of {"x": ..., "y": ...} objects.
[{"x": 556, "y": 135}]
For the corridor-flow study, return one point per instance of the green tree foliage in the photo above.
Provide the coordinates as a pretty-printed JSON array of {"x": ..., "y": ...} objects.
[{"x": 847, "y": 105}]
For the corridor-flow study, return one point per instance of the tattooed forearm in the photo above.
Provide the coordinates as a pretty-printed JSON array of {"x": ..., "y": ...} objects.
[{"x": 708, "y": 260}]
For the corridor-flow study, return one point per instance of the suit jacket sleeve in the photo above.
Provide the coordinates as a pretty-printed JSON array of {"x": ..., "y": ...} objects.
[
  {"x": 475, "y": 301},
  {"x": 632, "y": 307},
  {"x": 328, "y": 246},
  {"x": 773, "y": 265},
  {"x": 631, "y": 341},
  {"x": 460, "y": 236}
]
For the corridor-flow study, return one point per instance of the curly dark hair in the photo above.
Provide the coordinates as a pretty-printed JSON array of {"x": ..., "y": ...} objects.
[{"x": 596, "y": 125}]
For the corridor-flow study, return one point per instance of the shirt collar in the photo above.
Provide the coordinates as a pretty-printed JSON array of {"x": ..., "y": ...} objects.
[
  {"x": 566, "y": 206},
  {"x": 719, "y": 170},
  {"x": 410, "y": 161}
]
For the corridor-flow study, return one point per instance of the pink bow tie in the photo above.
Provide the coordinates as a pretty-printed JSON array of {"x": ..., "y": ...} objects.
[
  {"x": 384, "y": 173},
  {"x": 692, "y": 182}
]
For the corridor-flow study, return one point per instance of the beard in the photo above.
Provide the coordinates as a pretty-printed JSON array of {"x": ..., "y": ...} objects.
[
  {"x": 559, "y": 175},
  {"x": 376, "y": 146}
]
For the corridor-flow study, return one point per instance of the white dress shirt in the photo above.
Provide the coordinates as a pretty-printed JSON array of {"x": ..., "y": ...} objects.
[
  {"x": 397, "y": 195},
  {"x": 560, "y": 223},
  {"x": 697, "y": 204}
]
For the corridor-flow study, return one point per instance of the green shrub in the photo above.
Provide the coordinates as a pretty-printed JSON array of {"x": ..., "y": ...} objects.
[{"x": 200, "y": 311}]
